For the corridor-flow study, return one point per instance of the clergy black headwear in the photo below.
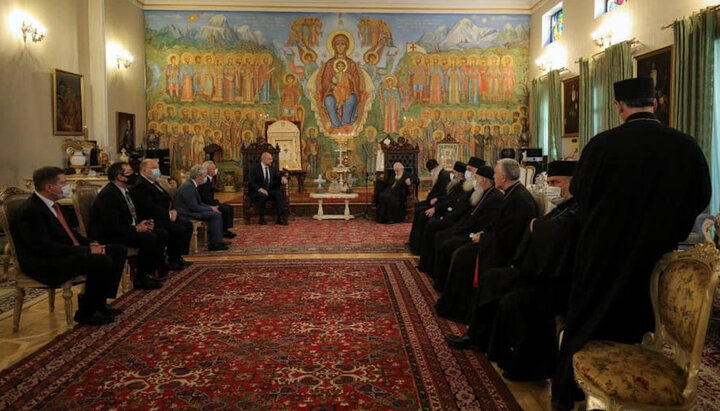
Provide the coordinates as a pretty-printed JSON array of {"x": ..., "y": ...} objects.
[
  {"x": 634, "y": 89},
  {"x": 475, "y": 162},
  {"x": 431, "y": 164},
  {"x": 561, "y": 168},
  {"x": 459, "y": 167},
  {"x": 485, "y": 171}
]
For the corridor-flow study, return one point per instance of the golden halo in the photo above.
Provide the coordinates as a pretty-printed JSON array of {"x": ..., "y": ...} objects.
[
  {"x": 390, "y": 77},
  {"x": 227, "y": 111},
  {"x": 370, "y": 53},
  {"x": 210, "y": 56},
  {"x": 266, "y": 56},
  {"x": 331, "y": 37},
  {"x": 170, "y": 56},
  {"x": 152, "y": 125},
  {"x": 197, "y": 125},
  {"x": 287, "y": 77},
  {"x": 186, "y": 54},
  {"x": 164, "y": 123},
  {"x": 309, "y": 57},
  {"x": 337, "y": 62},
  {"x": 438, "y": 135},
  {"x": 508, "y": 57}
]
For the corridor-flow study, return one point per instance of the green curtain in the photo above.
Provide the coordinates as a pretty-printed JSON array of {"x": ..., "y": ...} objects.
[
  {"x": 620, "y": 67},
  {"x": 599, "y": 80},
  {"x": 694, "y": 69},
  {"x": 586, "y": 106},
  {"x": 554, "y": 89}
]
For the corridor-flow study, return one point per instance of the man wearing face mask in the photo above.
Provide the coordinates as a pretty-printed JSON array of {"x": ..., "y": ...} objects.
[
  {"x": 152, "y": 202},
  {"x": 441, "y": 178},
  {"x": 189, "y": 205},
  {"x": 516, "y": 305},
  {"x": 51, "y": 252},
  {"x": 113, "y": 219},
  {"x": 448, "y": 211},
  {"x": 207, "y": 195}
]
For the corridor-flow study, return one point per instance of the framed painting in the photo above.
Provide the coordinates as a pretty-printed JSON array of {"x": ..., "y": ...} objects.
[
  {"x": 125, "y": 131},
  {"x": 571, "y": 106},
  {"x": 658, "y": 64},
  {"x": 447, "y": 154},
  {"x": 68, "y": 103}
]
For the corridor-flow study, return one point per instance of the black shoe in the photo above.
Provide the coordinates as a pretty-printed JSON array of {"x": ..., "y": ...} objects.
[
  {"x": 94, "y": 318},
  {"x": 184, "y": 262},
  {"x": 109, "y": 311},
  {"x": 161, "y": 275},
  {"x": 175, "y": 266},
  {"x": 227, "y": 243},
  {"x": 463, "y": 342},
  {"x": 282, "y": 222},
  {"x": 262, "y": 221},
  {"x": 229, "y": 234},
  {"x": 519, "y": 377},
  {"x": 146, "y": 283},
  {"x": 217, "y": 247}
]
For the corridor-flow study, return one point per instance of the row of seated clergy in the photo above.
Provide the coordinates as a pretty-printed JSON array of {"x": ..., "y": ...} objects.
[
  {"x": 51, "y": 252},
  {"x": 492, "y": 247},
  {"x": 446, "y": 212},
  {"x": 391, "y": 195},
  {"x": 512, "y": 316}
]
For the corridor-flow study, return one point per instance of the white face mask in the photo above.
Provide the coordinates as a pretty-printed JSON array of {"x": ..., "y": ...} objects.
[
  {"x": 468, "y": 175},
  {"x": 452, "y": 176},
  {"x": 552, "y": 192}
]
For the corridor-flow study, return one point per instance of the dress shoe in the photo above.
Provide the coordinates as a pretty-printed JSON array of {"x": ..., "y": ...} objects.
[
  {"x": 464, "y": 342},
  {"x": 184, "y": 262},
  {"x": 94, "y": 318},
  {"x": 262, "y": 221},
  {"x": 523, "y": 377},
  {"x": 109, "y": 311},
  {"x": 175, "y": 266},
  {"x": 229, "y": 234},
  {"x": 146, "y": 283},
  {"x": 282, "y": 222},
  {"x": 217, "y": 247}
]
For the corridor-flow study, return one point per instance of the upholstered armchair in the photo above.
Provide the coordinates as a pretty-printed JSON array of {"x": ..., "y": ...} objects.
[{"x": 662, "y": 372}]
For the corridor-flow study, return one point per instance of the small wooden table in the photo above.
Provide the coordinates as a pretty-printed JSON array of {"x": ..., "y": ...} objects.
[{"x": 322, "y": 216}]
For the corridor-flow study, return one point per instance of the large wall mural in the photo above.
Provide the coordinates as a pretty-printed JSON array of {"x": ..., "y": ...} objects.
[{"x": 217, "y": 77}]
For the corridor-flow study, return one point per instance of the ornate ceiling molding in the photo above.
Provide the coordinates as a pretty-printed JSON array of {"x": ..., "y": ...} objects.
[{"x": 398, "y": 6}]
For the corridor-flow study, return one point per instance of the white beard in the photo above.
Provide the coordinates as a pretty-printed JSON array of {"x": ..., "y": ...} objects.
[
  {"x": 452, "y": 184},
  {"x": 476, "y": 196},
  {"x": 468, "y": 186}
]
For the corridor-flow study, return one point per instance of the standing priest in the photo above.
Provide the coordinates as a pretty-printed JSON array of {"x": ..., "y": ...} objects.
[
  {"x": 639, "y": 187},
  {"x": 441, "y": 179}
]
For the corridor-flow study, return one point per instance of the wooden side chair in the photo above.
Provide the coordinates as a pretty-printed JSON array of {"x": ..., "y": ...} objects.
[
  {"x": 10, "y": 201},
  {"x": 662, "y": 372}
]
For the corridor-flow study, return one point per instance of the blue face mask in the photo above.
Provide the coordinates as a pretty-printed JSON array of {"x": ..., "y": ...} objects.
[
  {"x": 66, "y": 191},
  {"x": 155, "y": 174}
]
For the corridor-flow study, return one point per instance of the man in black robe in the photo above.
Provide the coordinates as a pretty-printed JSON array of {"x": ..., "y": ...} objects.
[
  {"x": 486, "y": 200},
  {"x": 441, "y": 178},
  {"x": 446, "y": 213},
  {"x": 391, "y": 201},
  {"x": 639, "y": 187},
  {"x": 514, "y": 317},
  {"x": 491, "y": 248}
]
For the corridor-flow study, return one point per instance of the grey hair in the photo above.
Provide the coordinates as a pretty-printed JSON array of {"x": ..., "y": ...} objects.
[
  {"x": 146, "y": 162},
  {"x": 510, "y": 168},
  {"x": 398, "y": 164},
  {"x": 207, "y": 164},
  {"x": 197, "y": 170}
]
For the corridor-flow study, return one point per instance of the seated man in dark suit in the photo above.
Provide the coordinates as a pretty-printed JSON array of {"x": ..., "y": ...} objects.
[
  {"x": 207, "y": 194},
  {"x": 113, "y": 220},
  {"x": 50, "y": 252},
  {"x": 265, "y": 183},
  {"x": 190, "y": 206},
  {"x": 154, "y": 203},
  {"x": 391, "y": 200}
]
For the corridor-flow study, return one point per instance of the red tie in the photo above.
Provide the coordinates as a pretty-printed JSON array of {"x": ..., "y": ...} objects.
[
  {"x": 476, "y": 280},
  {"x": 64, "y": 223}
]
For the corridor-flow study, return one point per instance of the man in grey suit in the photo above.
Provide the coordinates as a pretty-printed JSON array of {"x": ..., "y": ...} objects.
[{"x": 189, "y": 205}]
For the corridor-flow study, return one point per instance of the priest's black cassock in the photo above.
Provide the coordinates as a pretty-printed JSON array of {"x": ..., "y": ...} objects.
[
  {"x": 449, "y": 240},
  {"x": 518, "y": 312},
  {"x": 438, "y": 190},
  {"x": 448, "y": 211},
  {"x": 496, "y": 248},
  {"x": 391, "y": 201},
  {"x": 639, "y": 187}
]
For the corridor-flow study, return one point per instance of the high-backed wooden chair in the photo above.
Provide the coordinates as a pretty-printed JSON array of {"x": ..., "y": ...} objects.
[
  {"x": 10, "y": 201},
  {"x": 251, "y": 157},
  {"x": 662, "y": 372},
  {"x": 83, "y": 198},
  {"x": 404, "y": 152}
]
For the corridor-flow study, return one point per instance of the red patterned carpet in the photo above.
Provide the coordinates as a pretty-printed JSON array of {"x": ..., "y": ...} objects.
[
  {"x": 306, "y": 235},
  {"x": 281, "y": 334},
  {"x": 709, "y": 386}
]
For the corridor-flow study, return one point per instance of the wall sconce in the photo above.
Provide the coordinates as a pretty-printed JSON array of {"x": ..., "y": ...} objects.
[
  {"x": 25, "y": 26},
  {"x": 554, "y": 58},
  {"x": 615, "y": 29},
  {"x": 602, "y": 38},
  {"x": 543, "y": 64},
  {"x": 119, "y": 56}
]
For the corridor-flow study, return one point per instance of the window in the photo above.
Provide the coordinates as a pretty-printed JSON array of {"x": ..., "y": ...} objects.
[
  {"x": 556, "y": 26},
  {"x": 605, "y": 6},
  {"x": 610, "y": 5}
]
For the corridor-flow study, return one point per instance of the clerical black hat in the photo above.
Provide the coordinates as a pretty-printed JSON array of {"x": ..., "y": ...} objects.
[
  {"x": 485, "y": 171},
  {"x": 475, "y": 162},
  {"x": 634, "y": 88},
  {"x": 459, "y": 167},
  {"x": 561, "y": 168},
  {"x": 431, "y": 164}
]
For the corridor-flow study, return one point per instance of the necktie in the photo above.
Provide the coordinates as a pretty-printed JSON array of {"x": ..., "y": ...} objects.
[
  {"x": 131, "y": 207},
  {"x": 267, "y": 175},
  {"x": 64, "y": 224}
]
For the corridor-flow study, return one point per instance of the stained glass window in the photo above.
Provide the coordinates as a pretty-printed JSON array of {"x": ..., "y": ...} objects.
[
  {"x": 610, "y": 5},
  {"x": 556, "y": 26}
]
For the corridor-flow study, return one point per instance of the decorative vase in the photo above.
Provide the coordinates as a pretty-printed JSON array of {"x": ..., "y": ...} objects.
[{"x": 78, "y": 160}]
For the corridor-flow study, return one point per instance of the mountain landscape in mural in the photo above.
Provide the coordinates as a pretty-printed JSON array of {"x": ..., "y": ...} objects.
[{"x": 219, "y": 77}]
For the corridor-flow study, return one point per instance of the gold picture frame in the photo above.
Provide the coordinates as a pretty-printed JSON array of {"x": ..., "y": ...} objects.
[
  {"x": 659, "y": 64},
  {"x": 571, "y": 107},
  {"x": 68, "y": 103}
]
